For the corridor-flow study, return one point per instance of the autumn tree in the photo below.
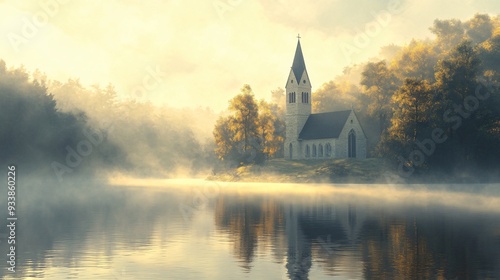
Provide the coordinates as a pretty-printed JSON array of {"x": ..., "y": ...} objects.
[
  {"x": 245, "y": 118},
  {"x": 412, "y": 110},
  {"x": 417, "y": 61},
  {"x": 225, "y": 147},
  {"x": 455, "y": 80},
  {"x": 479, "y": 28},
  {"x": 449, "y": 33},
  {"x": 252, "y": 132},
  {"x": 379, "y": 84},
  {"x": 457, "y": 84},
  {"x": 489, "y": 53},
  {"x": 456, "y": 75},
  {"x": 271, "y": 129},
  {"x": 488, "y": 147},
  {"x": 237, "y": 136}
]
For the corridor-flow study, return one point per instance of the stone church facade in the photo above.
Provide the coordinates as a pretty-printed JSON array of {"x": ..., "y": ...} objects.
[{"x": 317, "y": 136}]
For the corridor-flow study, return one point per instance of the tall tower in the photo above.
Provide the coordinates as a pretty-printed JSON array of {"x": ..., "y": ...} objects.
[{"x": 298, "y": 103}]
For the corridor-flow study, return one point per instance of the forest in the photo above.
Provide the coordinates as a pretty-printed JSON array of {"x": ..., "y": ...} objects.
[
  {"x": 64, "y": 130},
  {"x": 433, "y": 104}
]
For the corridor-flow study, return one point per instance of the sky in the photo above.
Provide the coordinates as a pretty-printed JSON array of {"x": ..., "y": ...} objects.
[{"x": 200, "y": 53}]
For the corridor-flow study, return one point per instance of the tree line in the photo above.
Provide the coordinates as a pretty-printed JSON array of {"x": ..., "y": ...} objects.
[
  {"x": 61, "y": 131},
  {"x": 437, "y": 102}
]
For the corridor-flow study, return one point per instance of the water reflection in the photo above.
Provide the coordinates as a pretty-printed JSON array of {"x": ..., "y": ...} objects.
[
  {"x": 360, "y": 241},
  {"x": 124, "y": 233}
]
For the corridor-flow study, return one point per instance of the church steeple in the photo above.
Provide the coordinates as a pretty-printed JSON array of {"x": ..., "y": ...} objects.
[
  {"x": 298, "y": 102},
  {"x": 300, "y": 77},
  {"x": 299, "y": 64}
]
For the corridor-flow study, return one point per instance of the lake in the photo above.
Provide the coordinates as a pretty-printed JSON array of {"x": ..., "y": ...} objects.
[{"x": 193, "y": 229}]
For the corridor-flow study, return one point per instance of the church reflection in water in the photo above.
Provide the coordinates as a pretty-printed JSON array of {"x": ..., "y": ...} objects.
[
  {"x": 359, "y": 242},
  {"x": 305, "y": 232}
]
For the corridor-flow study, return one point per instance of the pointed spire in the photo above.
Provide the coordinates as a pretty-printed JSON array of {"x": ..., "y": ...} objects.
[{"x": 298, "y": 65}]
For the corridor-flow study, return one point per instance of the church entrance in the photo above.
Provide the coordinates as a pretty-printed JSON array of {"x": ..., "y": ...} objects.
[{"x": 351, "y": 144}]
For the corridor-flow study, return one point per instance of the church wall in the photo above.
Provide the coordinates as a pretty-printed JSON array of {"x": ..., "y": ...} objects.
[
  {"x": 317, "y": 142},
  {"x": 341, "y": 149},
  {"x": 296, "y": 149},
  {"x": 339, "y": 145},
  {"x": 294, "y": 124}
]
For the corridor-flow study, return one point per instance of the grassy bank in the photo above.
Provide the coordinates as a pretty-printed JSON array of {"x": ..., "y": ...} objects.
[{"x": 309, "y": 171}]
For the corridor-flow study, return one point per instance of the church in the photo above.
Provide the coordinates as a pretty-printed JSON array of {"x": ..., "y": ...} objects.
[{"x": 329, "y": 135}]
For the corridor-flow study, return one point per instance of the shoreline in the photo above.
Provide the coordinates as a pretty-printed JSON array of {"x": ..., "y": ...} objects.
[{"x": 337, "y": 171}]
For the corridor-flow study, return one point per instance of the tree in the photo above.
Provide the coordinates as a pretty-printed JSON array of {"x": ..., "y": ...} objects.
[
  {"x": 225, "y": 147},
  {"x": 379, "y": 84},
  {"x": 335, "y": 96},
  {"x": 456, "y": 80},
  {"x": 245, "y": 118},
  {"x": 449, "y": 33},
  {"x": 456, "y": 75},
  {"x": 271, "y": 129},
  {"x": 278, "y": 98},
  {"x": 411, "y": 117},
  {"x": 489, "y": 53},
  {"x": 324, "y": 98},
  {"x": 252, "y": 132},
  {"x": 479, "y": 28},
  {"x": 237, "y": 136},
  {"x": 417, "y": 60},
  {"x": 412, "y": 110}
]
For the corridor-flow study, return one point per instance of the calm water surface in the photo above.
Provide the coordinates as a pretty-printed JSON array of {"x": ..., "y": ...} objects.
[{"x": 199, "y": 230}]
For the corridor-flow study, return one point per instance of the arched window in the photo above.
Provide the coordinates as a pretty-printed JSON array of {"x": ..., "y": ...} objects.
[
  {"x": 351, "y": 144},
  {"x": 305, "y": 97},
  {"x": 328, "y": 149},
  {"x": 290, "y": 149},
  {"x": 320, "y": 150},
  {"x": 308, "y": 151},
  {"x": 314, "y": 150}
]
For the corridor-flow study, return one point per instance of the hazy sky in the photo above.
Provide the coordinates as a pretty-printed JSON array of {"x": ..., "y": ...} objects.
[{"x": 187, "y": 52}]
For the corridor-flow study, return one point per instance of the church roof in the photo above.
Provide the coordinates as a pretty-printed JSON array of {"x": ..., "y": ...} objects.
[
  {"x": 324, "y": 125},
  {"x": 298, "y": 65}
]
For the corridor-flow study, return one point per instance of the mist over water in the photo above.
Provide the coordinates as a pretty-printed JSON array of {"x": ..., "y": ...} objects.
[{"x": 196, "y": 229}]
